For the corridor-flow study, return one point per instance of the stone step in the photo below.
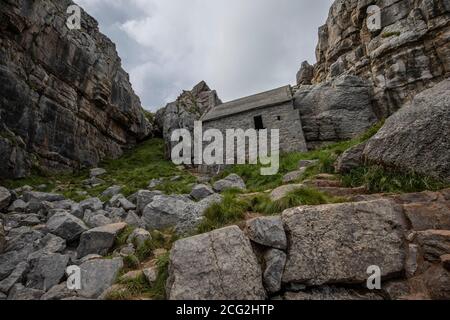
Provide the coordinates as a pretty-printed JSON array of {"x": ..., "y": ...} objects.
[
  {"x": 323, "y": 183},
  {"x": 343, "y": 192}
]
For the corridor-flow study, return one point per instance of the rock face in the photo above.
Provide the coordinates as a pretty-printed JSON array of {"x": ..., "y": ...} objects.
[
  {"x": 188, "y": 108},
  {"x": 337, "y": 243},
  {"x": 411, "y": 50},
  {"x": 335, "y": 110},
  {"x": 65, "y": 100},
  {"x": 417, "y": 138},
  {"x": 215, "y": 266}
]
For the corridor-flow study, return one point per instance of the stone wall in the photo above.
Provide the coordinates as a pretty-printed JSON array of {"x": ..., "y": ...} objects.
[
  {"x": 65, "y": 101},
  {"x": 283, "y": 117}
]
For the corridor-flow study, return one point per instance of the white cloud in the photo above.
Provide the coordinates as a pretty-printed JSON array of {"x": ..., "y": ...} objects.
[{"x": 238, "y": 47}]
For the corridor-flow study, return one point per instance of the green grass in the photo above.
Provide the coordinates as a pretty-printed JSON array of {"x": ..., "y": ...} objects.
[
  {"x": 289, "y": 162},
  {"x": 378, "y": 180},
  {"x": 140, "y": 288},
  {"x": 302, "y": 196},
  {"x": 233, "y": 208},
  {"x": 133, "y": 171}
]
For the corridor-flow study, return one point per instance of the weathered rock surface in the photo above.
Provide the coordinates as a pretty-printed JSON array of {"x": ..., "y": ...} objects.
[
  {"x": 188, "y": 108},
  {"x": 337, "y": 243},
  {"x": 350, "y": 159},
  {"x": 201, "y": 191},
  {"x": 305, "y": 74},
  {"x": 99, "y": 240},
  {"x": 98, "y": 275},
  {"x": 275, "y": 261},
  {"x": 282, "y": 191},
  {"x": 267, "y": 231},
  {"x": 5, "y": 198},
  {"x": 435, "y": 243},
  {"x": 334, "y": 111},
  {"x": 233, "y": 181},
  {"x": 176, "y": 211},
  {"x": 66, "y": 226},
  {"x": 427, "y": 216},
  {"x": 215, "y": 266},
  {"x": 66, "y": 102},
  {"x": 416, "y": 138},
  {"x": 46, "y": 271},
  {"x": 411, "y": 50},
  {"x": 331, "y": 293}
]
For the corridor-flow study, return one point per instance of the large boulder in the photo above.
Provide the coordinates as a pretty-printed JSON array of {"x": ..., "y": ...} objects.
[
  {"x": 99, "y": 240},
  {"x": 66, "y": 101},
  {"x": 219, "y": 265},
  {"x": 176, "y": 211},
  {"x": 233, "y": 181},
  {"x": 416, "y": 138},
  {"x": 336, "y": 110},
  {"x": 98, "y": 275},
  {"x": 66, "y": 226},
  {"x": 46, "y": 271},
  {"x": 337, "y": 243}
]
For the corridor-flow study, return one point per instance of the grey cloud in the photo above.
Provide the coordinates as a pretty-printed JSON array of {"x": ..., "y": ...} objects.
[{"x": 238, "y": 47}]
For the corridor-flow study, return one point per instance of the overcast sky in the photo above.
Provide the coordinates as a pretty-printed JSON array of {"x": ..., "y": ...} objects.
[{"x": 239, "y": 47}]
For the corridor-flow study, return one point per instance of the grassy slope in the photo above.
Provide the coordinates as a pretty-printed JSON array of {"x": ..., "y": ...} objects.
[{"x": 133, "y": 171}]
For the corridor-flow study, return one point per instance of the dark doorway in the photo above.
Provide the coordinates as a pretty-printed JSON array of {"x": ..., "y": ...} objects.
[{"x": 259, "y": 125}]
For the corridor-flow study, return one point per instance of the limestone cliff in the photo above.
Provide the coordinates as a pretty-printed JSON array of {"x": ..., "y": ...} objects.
[
  {"x": 65, "y": 101},
  {"x": 408, "y": 53}
]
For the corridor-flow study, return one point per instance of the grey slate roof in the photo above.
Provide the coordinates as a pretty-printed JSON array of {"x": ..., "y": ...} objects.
[{"x": 260, "y": 100}]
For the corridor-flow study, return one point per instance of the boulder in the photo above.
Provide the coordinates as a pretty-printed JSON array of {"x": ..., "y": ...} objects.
[
  {"x": 112, "y": 191},
  {"x": 18, "y": 206},
  {"x": 275, "y": 260},
  {"x": 66, "y": 226},
  {"x": 59, "y": 292},
  {"x": 176, "y": 211},
  {"x": 293, "y": 176},
  {"x": 350, "y": 159},
  {"x": 5, "y": 198},
  {"x": 219, "y": 265},
  {"x": 98, "y": 275},
  {"x": 416, "y": 139},
  {"x": 151, "y": 275},
  {"x": 335, "y": 110},
  {"x": 143, "y": 198},
  {"x": 267, "y": 231},
  {"x": 337, "y": 243},
  {"x": 119, "y": 201},
  {"x": 99, "y": 240},
  {"x": 19, "y": 292},
  {"x": 233, "y": 181},
  {"x": 139, "y": 236},
  {"x": 280, "y": 192},
  {"x": 201, "y": 191},
  {"x": 434, "y": 243},
  {"x": 134, "y": 220},
  {"x": 97, "y": 220},
  {"x": 15, "y": 277},
  {"x": 37, "y": 196},
  {"x": 93, "y": 204},
  {"x": 154, "y": 183},
  {"x": 438, "y": 283},
  {"x": 426, "y": 216},
  {"x": 96, "y": 172},
  {"x": 46, "y": 271}
]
